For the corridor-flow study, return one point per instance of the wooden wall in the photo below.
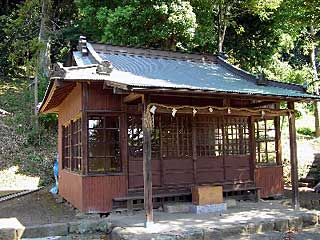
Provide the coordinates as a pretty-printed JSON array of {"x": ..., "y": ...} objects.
[
  {"x": 70, "y": 184},
  {"x": 70, "y": 188},
  {"x": 270, "y": 179},
  {"x": 102, "y": 99},
  {"x": 98, "y": 192}
]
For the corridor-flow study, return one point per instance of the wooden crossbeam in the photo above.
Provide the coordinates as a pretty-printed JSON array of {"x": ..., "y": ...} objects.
[
  {"x": 131, "y": 97},
  {"x": 260, "y": 104}
]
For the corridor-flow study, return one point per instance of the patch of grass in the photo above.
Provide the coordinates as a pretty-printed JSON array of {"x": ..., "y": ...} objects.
[
  {"x": 305, "y": 131},
  {"x": 34, "y": 149}
]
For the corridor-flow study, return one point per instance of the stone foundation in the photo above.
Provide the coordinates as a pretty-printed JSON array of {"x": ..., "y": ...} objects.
[{"x": 211, "y": 208}]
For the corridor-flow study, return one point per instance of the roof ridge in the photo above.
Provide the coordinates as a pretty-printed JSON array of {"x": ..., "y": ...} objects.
[{"x": 149, "y": 52}]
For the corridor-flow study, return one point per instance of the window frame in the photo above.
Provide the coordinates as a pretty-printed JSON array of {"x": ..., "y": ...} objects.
[
  {"x": 266, "y": 141},
  {"x": 70, "y": 159},
  {"x": 121, "y": 168}
]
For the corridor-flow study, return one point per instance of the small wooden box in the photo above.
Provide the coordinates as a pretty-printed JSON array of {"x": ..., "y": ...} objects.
[{"x": 204, "y": 195}]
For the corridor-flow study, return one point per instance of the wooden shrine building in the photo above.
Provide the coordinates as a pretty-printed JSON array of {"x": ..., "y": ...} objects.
[{"x": 142, "y": 126}]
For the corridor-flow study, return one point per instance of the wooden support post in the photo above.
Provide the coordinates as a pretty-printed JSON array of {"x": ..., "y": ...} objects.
[
  {"x": 277, "y": 127},
  {"x": 147, "y": 165},
  {"x": 84, "y": 129},
  {"x": 253, "y": 153},
  {"x": 194, "y": 152},
  {"x": 293, "y": 158}
]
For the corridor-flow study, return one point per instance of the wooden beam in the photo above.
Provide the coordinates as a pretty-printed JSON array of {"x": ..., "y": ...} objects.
[
  {"x": 260, "y": 104},
  {"x": 131, "y": 97},
  {"x": 293, "y": 158},
  {"x": 59, "y": 83},
  {"x": 147, "y": 165}
]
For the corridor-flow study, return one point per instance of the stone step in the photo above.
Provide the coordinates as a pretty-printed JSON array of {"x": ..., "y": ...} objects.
[
  {"x": 233, "y": 231},
  {"x": 12, "y": 228}
]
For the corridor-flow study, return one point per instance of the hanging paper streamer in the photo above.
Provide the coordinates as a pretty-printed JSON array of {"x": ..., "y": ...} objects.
[
  {"x": 174, "y": 111},
  {"x": 194, "y": 111},
  {"x": 153, "y": 109}
]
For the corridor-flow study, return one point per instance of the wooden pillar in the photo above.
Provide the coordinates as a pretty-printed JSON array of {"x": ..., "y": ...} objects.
[
  {"x": 84, "y": 129},
  {"x": 147, "y": 165},
  {"x": 277, "y": 126},
  {"x": 293, "y": 158},
  {"x": 252, "y": 138},
  {"x": 194, "y": 151}
]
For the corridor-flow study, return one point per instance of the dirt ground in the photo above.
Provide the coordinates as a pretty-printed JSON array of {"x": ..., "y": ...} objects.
[{"x": 37, "y": 208}]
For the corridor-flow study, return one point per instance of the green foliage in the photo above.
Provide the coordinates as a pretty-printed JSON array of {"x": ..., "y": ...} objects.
[
  {"x": 305, "y": 131},
  {"x": 150, "y": 23},
  {"x": 21, "y": 42},
  {"x": 205, "y": 38}
]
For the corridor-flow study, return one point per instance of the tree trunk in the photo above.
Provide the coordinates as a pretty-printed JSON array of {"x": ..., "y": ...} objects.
[
  {"x": 222, "y": 26},
  {"x": 316, "y": 78},
  {"x": 223, "y": 12},
  {"x": 42, "y": 63}
]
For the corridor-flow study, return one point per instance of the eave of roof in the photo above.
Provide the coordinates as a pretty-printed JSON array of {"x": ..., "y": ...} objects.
[{"x": 148, "y": 70}]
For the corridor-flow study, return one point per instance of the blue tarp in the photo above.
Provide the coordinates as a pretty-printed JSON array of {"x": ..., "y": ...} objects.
[{"x": 55, "y": 188}]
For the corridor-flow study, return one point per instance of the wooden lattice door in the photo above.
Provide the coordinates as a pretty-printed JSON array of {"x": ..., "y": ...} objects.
[{"x": 190, "y": 150}]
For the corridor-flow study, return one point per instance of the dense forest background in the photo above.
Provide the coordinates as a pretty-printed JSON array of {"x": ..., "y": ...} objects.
[{"x": 279, "y": 38}]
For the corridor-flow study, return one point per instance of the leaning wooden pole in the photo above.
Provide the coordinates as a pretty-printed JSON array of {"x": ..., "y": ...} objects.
[
  {"x": 293, "y": 158},
  {"x": 147, "y": 164}
]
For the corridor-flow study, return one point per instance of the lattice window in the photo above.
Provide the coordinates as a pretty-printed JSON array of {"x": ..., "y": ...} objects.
[
  {"x": 76, "y": 145},
  {"x": 71, "y": 137},
  {"x": 66, "y": 135},
  {"x": 176, "y": 136},
  {"x": 135, "y": 137},
  {"x": 209, "y": 136},
  {"x": 265, "y": 142},
  {"x": 104, "y": 144},
  {"x": 236, "y": 136}
]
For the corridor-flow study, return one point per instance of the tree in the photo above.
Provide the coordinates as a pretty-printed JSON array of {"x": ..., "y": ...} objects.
[
  {"x": 228, "y": 10},
  {"x": 42, "y": 68},
  {"x": 301, "y": 19},
  {"x": 149, "y": 23}
]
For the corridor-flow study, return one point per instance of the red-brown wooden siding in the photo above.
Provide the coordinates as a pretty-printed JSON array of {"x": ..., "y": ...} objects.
[
  {"x": 70, "y": 188},
  {"x": 102, "y": 99},
  {"x": 70, "y": 184},
  {"x": 270, "y": 180},
  {"x": 98, "y": 192}
]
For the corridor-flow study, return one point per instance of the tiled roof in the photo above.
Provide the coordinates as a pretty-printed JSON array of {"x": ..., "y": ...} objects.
[{"x": 138, "y": 71}]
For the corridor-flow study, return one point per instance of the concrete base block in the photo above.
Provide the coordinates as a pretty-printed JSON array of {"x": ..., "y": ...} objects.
[
  {"x": 295, "y": 224},
  {"x": 55, "y": 229},
  {"x": 212, "y": 208},
  {"x": 231, "y": 203},
  {"x": 10, "y": 228},
  {"x": 309, "y": 219},
  {"x": 281, "y": 225},
  {"x": 176, "y": 207},
  {"x": 90, "y": 226},
  {"x": 267, "y": 226}
]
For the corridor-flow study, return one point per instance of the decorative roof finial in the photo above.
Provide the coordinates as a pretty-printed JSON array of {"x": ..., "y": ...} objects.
[
  {"x": 82, "y": 46},
  {"x": 104, "y": 68},
  {"x": 261, "y": 79}
]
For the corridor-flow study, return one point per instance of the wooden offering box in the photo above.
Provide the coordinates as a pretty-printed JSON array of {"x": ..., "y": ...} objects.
[{"x": 204, "y": 195}]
